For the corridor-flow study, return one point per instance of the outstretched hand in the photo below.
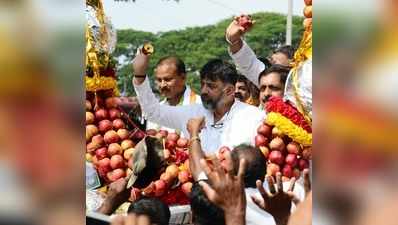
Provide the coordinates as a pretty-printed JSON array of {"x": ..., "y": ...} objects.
[
  {"x": 276, "y": 202},
  {"x": 236, "y": 30},
  {"x": 116, "y": 195},
  {"x": 226, "y": 190}
]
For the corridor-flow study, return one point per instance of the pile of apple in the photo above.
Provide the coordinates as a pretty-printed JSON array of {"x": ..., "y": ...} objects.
[
  {"x": 282, "y": 154},
  {"x": 109, "y": 142},
  {"x": 307, "y": 14},
  {"x": 176, "y": 179}
]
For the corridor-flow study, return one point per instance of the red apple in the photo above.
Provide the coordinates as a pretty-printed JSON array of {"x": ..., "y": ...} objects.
[
  {"x": 138, "y": 135},
  {"x": 123, "y": 133},
  {"x": 303, "y": 164},
  {"x": 127, "y": 153},
  {"x": 160, "y": 187},
  {"x": 182, "y": 143},
  {"x": 111, "y": 102},
  {"x": 105, "y": 125},
  {"x": 118, "y": 124},
  {"x": 114, "y": 149},
  {"x": 308, "y": 2},
  {"x": 91, "y": 130},
  {"x": 276, "y": 157},
  {"x": 117, "y": 174},
  {"x": 260, "y": 140},
  {"x": 92, "y": 146},
  {"x": 264, "y": 130},
  {"x": 117, "y": 162},
  {"x": 277, "y": 144},
  {"x": 291, "y": 159},
  {"x": 164, "y": 133},
  {"x": 173, "y": 136},
  {"x": 104, "y": 162},
  {"x": 90, "y": 118},
  {"x": 111, "y": 137},
  {"x": 135, "y": 194},
  {"x": 151, "y": 132},
  {"x": 308, "y": 11},
  {"x": 88, "y": 105},
  {"x": 104, "y": 167},
  {"x": 170, "y": 144},
  {"x": 183, "y": 176},
  {"x": 307, "y": 153},
  {"x": 126, "y": 144},
  {"x": 245, "y": 21},
  {"x": 287, "y": 171},
  {"x": 293, "y": 147},
  {"x": 114, "y": 114},
  {"x": 98, "y": 139},
  {"x": 186, "y": 188},
  {"x": 101, "y": 153},
  {"x": 101, "y": 114},
  {"x": 272, "y": 169}
]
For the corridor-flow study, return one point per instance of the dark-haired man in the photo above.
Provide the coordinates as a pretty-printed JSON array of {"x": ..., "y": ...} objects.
[
  {"x": 272, "y": 83},
  {"x": 228, "y": 122},
  {"x": 170, "y": 80}
]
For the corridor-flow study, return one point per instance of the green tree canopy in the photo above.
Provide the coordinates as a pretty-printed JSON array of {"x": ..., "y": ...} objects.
[{"x": 196, "y": 45}]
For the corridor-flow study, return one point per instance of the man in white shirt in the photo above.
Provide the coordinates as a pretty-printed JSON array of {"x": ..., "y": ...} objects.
[
  {"x": 270, "y": 81},
  {"x": 170, "y": 79},
  {"x": 229, "y": 122}
]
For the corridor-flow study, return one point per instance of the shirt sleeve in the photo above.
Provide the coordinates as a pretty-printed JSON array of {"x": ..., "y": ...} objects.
[
  {"x": 174, "y": 117},
  {"x": 247, "y": 63}
]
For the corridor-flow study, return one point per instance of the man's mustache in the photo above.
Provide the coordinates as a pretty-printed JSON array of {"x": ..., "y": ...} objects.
[
  {"x": 238, "y": 95},
  {"x": 265, "y": 99}
]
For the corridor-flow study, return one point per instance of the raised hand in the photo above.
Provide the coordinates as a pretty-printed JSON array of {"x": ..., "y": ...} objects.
[
  {"x": 226, "y": 190},
  {"x": 195, "y": 125},
  {"x": 276, "y": 202},
  {"x": 240, "y": 25},
  {"x": 140, "y": 63}
]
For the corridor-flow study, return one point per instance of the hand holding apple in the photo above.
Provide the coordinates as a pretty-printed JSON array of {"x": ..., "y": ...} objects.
[{"x": 195, "y": 125}]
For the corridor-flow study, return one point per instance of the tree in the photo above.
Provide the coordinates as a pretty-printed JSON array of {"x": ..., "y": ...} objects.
[{"x": 196, "y": 45}]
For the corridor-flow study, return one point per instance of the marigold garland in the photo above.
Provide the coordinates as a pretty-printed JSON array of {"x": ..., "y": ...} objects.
[
  {"x": 285, "y": 125},
  {"x": 276, "y": 104}
]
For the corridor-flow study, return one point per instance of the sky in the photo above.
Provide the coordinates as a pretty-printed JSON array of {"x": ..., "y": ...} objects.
[{"x": 163, "y": 15}]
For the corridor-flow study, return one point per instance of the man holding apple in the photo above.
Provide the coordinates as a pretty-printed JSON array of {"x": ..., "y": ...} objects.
[
  {"x": 270, "y": 81},
  {"x": 228, "y": 122}
]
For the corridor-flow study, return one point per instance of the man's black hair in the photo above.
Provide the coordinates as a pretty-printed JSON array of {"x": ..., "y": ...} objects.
[
  {"x": 179, "y": 64},
  {"x": 287, "y": 50},
  {"x": 256, "y": 163},
  {"x": 283, "y": 71},
  {"x": 204, "y": 212},
  {"x": 217, "y": 69},
  {"x": 157, "y": 211}
]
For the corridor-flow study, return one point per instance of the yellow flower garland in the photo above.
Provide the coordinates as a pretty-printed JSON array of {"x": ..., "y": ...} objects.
[{"x": 287, "y": 127}]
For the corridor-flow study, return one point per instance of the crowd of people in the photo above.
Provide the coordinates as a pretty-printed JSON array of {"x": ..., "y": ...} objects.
[{"x": 232, "y": 188}]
